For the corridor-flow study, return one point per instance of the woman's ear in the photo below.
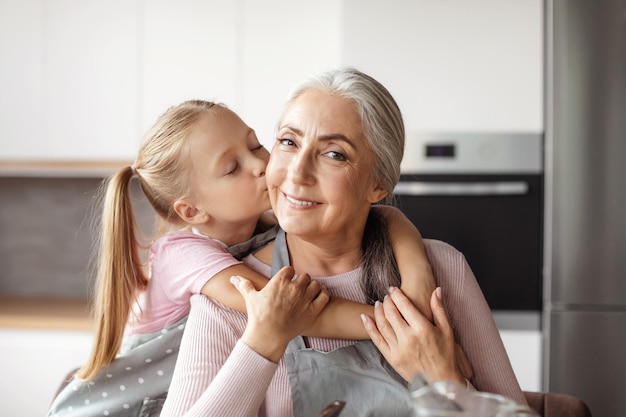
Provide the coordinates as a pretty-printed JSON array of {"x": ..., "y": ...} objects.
[
  {"x": 376, "y": 194},
  {"x": 189, "y": 213}
]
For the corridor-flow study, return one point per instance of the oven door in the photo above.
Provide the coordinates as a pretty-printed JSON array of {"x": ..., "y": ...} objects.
[{"x": 494, "y": 220}]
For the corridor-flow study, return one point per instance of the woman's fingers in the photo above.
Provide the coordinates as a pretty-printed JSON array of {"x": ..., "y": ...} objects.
[
  {"x": 371, "y": 327},
  {"x": 409, "y": 314}
]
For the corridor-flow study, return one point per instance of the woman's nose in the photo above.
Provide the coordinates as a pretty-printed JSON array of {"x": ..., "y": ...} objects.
[{"x": 301, "y": 168}]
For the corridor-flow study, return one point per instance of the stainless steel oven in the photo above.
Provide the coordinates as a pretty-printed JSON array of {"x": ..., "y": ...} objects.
[{"x": 483, "y": 194}]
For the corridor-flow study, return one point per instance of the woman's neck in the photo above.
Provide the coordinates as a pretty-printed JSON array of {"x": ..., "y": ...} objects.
[{"x": 325, "y": 258}]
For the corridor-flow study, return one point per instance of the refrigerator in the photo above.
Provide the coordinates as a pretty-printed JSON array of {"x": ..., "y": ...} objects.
[{"x": 585, "y": 203}]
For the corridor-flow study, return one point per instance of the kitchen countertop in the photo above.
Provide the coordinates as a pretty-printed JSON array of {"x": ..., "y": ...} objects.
[{"x": 45, "y": 314}]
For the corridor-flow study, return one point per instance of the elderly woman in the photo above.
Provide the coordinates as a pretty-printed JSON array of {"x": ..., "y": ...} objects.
[{"x": 338, "y": 150}]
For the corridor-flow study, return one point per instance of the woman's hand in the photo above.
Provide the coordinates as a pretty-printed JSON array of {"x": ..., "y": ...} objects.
[
  {"x": 280, "y": 311},
  {"x": 410, "y": 342}
]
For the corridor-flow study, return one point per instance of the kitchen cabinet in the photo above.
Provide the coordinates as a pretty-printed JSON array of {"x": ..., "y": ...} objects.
[
  {"x": 283, "y": 42},
  {"x": 34, "y": 362},
  {"x": 524, "y": 348},
  {"x": 188, "y": 50},
  {"x": 76, "y": 62},
  {"x": 84, "y": 80},
  {"x": 21, "y": 77},
  {"x": 455, "y": 65}
]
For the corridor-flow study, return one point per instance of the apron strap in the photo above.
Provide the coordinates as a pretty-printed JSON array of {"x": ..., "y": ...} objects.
[{"x": 280, "y": 256}]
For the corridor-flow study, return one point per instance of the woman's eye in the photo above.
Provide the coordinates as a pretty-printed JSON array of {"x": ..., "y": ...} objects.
[
  {"x": 257, "y": 148},
  {"x": 286, "y": 142},
  {"x": 337, "y": 156}
]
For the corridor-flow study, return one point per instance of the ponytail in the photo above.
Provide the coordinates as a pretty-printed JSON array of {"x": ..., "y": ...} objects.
[
  {"x": 380, "y": 270},
  {"x": 120, "y": 274}
]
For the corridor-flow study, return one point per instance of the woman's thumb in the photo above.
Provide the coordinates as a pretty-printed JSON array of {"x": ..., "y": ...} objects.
[{"x": 439, "y": 313}]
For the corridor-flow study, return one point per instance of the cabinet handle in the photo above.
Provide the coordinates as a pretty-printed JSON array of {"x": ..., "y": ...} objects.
[{"x": 420, "y": 188}]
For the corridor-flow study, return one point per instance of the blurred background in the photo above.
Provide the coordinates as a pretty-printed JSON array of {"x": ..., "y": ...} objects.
[{"x": 515, "y": 135}]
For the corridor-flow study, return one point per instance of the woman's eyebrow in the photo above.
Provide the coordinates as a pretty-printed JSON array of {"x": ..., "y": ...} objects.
[
  {"x": 325, "y": 137},
  {"x": 337, "y": 136}
]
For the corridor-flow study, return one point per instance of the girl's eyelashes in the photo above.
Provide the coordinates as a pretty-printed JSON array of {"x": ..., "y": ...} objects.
[{"x": 232, "y": 170}]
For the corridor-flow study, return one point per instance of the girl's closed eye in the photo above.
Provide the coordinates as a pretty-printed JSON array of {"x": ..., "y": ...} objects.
[{"x": 231, "y": 169}]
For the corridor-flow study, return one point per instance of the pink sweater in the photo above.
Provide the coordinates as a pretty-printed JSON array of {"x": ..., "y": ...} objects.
[{"x": 217, "y": 375}]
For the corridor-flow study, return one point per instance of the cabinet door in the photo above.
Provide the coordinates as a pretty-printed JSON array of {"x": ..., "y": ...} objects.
[
  {"x": 455, "y": 65},
  {"x": 91, "y": 66},
  {"x": 34, "y": 363},
  {"x": 283, "y": 42},
  {"x": 190, "y": 50},
  {"x": 21, "y": 77}
]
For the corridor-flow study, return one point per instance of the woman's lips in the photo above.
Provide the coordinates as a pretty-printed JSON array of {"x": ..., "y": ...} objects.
[{"x": 300, "y": 203}]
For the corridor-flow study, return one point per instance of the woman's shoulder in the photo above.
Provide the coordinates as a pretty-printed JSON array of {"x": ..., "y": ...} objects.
[
  {"x": 443, "y": 255},
  {"x": 440, "y": 247}
]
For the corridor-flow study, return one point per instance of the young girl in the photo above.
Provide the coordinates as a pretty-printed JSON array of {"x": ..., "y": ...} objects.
[{"x": 203, "y": 171}]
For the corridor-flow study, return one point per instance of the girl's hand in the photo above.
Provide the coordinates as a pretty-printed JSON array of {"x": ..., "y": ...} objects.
[
  {"x": 280, "y": 311},
  {"x": 410, "y": 342}
]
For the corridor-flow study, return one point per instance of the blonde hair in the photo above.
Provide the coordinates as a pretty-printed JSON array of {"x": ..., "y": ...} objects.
[{"x": 162, "y": 169}]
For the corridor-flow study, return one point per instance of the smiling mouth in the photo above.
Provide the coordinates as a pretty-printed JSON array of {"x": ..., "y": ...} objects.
[{"x": 300, "y": 203}]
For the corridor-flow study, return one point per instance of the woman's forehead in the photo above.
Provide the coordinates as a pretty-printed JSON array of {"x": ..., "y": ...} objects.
[{"x": 324, "y": 112}]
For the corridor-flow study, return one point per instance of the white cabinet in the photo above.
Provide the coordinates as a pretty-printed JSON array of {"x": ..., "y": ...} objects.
[
  {"x": 21, "y": 77},
  {"x": 91, "y": 68},
  {"x": 84, "y": 80},
  {"x": 189, "y": 50},
  {"x": 33, "y": 363},
  {"x": 524, "y": 348},
  {"x": 283, "y": 42},
  {"x": 455, "y": 65},
  {"x": 69, "y": 77}
]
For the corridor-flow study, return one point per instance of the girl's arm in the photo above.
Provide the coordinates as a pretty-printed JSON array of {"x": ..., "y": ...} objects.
[
  {"x": 340, "y": 319},
  {"x": 418, "y": 282}
]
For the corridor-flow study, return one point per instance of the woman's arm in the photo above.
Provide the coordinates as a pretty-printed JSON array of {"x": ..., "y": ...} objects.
[
  {"x": 418, "y": 282},
  {"x": 340, "y": 319}
]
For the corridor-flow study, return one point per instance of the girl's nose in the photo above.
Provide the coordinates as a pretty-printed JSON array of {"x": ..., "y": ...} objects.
[{"x": 260, "y": 164}]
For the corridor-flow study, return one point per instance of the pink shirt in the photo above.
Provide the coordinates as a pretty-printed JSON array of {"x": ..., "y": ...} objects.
[{"x": 180, "y": 264}]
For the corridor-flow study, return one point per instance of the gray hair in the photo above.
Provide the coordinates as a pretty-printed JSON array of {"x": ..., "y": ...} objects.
[{"x": 380, "y": 115}]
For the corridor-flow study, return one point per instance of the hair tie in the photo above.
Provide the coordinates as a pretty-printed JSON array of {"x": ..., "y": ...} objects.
[{"x": 133, "y": 170}]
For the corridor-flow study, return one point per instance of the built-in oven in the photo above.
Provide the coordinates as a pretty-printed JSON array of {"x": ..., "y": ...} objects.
[{"x": 483, "y": 194}]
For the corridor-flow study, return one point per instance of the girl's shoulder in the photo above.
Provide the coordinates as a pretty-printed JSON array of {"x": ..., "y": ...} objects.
[{"x": 184, "y": 241}]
